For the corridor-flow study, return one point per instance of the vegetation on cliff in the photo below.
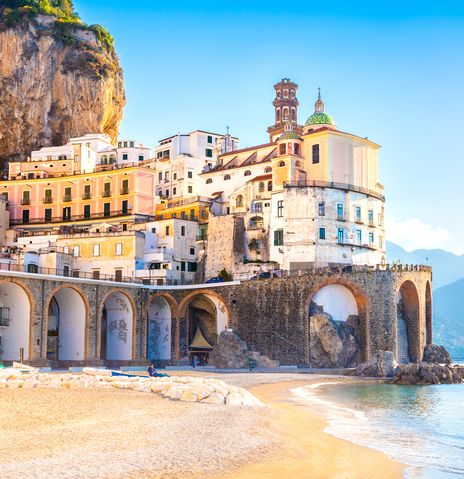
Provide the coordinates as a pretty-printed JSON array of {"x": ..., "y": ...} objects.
[{"x": 65, "y": 28}]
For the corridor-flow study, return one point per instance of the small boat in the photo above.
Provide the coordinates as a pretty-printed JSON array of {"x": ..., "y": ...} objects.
[{"x": 134, "y": 375}]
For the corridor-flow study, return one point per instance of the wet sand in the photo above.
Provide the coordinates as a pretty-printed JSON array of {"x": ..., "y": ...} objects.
[{"x": 110, "y": 433}]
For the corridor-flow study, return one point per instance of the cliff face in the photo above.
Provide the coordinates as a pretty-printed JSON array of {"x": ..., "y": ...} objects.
[{"x": 55, "y": 84}]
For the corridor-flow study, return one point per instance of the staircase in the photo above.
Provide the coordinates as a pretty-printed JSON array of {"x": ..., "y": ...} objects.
[{"x": 402, "y": 355}]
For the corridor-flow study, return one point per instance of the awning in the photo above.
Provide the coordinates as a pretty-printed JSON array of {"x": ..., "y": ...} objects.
[{"x": 199, "y": 341}]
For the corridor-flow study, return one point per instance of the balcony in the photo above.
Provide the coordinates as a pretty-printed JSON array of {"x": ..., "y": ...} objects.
[
  {"x": 86, "y": 196},
  {"x": 26, "y": 201},
  {"x": 106, "y": 194},
  {"x": 67, "y": 198},
  {"x": 48, "y": 199},
  {"x": 202, "y": 237},
  {"x": 124, "y": 191}
]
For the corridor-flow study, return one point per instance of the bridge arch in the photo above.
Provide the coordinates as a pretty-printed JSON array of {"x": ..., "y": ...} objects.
[
  {"x": 428, "y": 313},
  {"x": 160, "y": 313},
  {"x": 117, "y": 326},
  {"x": 66, "y": 318},
  {"x": 16, "y": 311},
  {"x": 344, "y": 300},
  {"x": 408, "y": 322}
]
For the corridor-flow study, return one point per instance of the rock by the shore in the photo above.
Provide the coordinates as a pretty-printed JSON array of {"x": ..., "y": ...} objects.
[
  {"x": 188, "y": 388},
  {"x": 231, "y": 352},
  {"x": 434, "y": 353},
  {"x": 428, "y": 373},
  {"x": 381, "y": 365}
]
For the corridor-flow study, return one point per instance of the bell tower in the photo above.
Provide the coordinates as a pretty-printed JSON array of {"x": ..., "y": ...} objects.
[{"x": 286, "y": 108}]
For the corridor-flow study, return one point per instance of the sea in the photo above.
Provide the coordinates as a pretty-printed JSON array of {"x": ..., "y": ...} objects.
[{"x": 420, "y": 426}]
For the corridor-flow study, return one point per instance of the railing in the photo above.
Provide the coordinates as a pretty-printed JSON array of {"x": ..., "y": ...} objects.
[
  {"x": 106, "y": 194},
  {"x": 203, "y": 237},
  {"x": 124, "y": 191},
  {"x": 25, "y": 201},
  {"x": 183, "y": 201},
  {"x": 86, "y": 196},
  {"x": 72, "y": 218},
  {"x": 67, "y": 198},
  {"x": 338, "y": 186},
  {"x": 48, "y": 199}
]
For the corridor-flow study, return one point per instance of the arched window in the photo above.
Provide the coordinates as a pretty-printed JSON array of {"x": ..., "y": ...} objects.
[
  {"x": 247, "y": 173},
  {"x": 261, "y": 187},
  {"x": 285, "y": 113},
  {"x": 278, "y": 115},
  {"x": 269, "y": 186},
  {"x": 283, "y": 149},
  {"x": 296, "y": 149},
  {"x": 239, "y": 201},
  {"x": 297, "y": 163},
  {"x": 209, "y": 181},
  {"x": 227, "y": 177},
  {"x": 293, "y": 114},
  {"x": 282, "y": 163},
  {"x": 268, "y": 169}
]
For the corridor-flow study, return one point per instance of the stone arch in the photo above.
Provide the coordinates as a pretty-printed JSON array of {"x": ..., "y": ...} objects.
[
  {"x": 205, "y": 310},
  {"x": 428, "y": 313},
  {"x": 17, "y": 310},
  {"x": 360, "y": 305},
  {"x": 160, "y": 313},
  {"x": 66, "y": 313},
  {"x": 117, "y": 326},
  {"x": 408, "y": 323}
]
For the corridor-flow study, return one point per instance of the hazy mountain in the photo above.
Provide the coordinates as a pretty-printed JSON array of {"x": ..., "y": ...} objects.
[{"x": 448, "y": 289}]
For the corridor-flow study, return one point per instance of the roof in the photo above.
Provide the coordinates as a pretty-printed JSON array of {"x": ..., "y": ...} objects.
[
  {"x": 319, "y": 118},
  {"x": 199, "y": 341},
  {"x": 342, "y": 133},
  {"x": 262, "y": 177}
]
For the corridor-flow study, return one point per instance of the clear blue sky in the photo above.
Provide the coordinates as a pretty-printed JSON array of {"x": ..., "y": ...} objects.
[{"x": 392, "y": 71}]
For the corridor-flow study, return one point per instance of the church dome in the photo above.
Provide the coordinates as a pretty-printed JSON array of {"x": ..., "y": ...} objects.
[
  {"x": 289, "y": 135},
  {"x": 319, "y": 118}
]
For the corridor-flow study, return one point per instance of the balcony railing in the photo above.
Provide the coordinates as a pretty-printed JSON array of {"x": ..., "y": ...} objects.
[
  {"x": 72, "y": 218},
  {"x": 48, "y": 199},
  {"x": 25, "y": 201},
  {"x": 338, "y": 186},
  {"x": 106, "y": 193},
  {"x": 67, "y": 198},
  {"x": 124, "y": 191},
  {"x": 86, "y": 196}
]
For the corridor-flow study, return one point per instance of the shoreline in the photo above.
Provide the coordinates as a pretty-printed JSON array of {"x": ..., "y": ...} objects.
[{"x": 307, "y": 450}]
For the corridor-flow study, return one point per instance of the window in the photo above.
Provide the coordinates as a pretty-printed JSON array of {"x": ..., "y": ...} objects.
[
  {"x": 141, "y": 157},
  {"x": 371, "y": 238},
  {"x": 106, "y": 209},
  {"x": 340, "y": 236},
  {"x": 66, "y": 270},
  {"x": 261, "y": 187},
  {"x": 48, "y": 214},
  {"x": 67, "y": 213},
  {"x": 96, "y": 274},
  {"x": 190, "y": 189},
  {"x": 268, "y": 169},
  {"x": 26, "y": 197},
  {"x": 167, "y": 230},
  {"x": 118, "y": 249},
  {"x": 315, "y": 155},
  {"x": 358, "y": 236},
  {"x": 67, "y": 194},
  {"x": 380, "y": 242},
  {"x": 322, "y": 209},
  {"x": 278, "y": 237},
  {"x": 209, "y": 181},
  {"x": 370, "y": 214},
  {"x": 125, "y": 156},
  {"x": 87, "y": 212},
  {"x": 247, "y": 173},
  {"x": 203, "y": 214},
  {"x": 191, "y": 267},
  {"x": 182, "y": 230},
  {"x": 96, "y": 250},
  {"x": 189, "y": 174},
  {"x": 280, "y": 208},
  {"x": 192, "y": 214},
  {"x": 322, "y": 233},
  {"x": 118, "y": 274},
  {"x": 227, "y": 177},
  {"x": 209, "y": 153},
  {"x": 174, "y": 191},
  {"x": 107, "y": 189},
  {"x": 125, "y": 187},
  {"x": 239, "y": 201},
  {"x": 48, "y": 196},
  {"x": 87, "y": 193},
  {"x": 210, "y": 139},
  {"x": 192, "y": 251},
  {"x": 340, "y": 211},
  {"x": 25, "y": 216},
  {"x": 182, "y": 265},
  {"x": 76, "y": 251},
  {"x": 358, "y": 214},
  {"x": 160, "y": 176},
  {"x": 282, "y": 149},
  {"x": 296, "y": 149},
  {"x": 183, "y": 215},
  {"x": 124, "y": 226},
  {"x": 269, "y": 186},
  {"x": 281, "y": 164}
]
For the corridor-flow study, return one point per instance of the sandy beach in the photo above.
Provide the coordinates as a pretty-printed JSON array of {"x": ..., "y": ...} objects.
[{"x": 96, "y": 434}]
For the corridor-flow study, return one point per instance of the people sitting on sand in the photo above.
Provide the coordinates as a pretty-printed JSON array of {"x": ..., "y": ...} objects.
[{"x": 151, "y": 371}]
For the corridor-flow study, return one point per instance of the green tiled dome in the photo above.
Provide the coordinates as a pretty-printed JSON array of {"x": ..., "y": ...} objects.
[
  {"x": 289, "y": 135},
  {"x": 319, "y": 118}
]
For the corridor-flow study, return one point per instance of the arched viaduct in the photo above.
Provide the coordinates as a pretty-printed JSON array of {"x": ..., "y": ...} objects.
[{"x": 71, "y": 321}]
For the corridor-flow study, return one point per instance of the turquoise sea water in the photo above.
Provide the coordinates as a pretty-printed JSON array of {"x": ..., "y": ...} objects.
[{"x": 422, "y": 426}]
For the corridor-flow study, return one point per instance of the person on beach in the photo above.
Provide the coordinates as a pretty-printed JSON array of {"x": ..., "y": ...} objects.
[{"x": 151, "y": 370}]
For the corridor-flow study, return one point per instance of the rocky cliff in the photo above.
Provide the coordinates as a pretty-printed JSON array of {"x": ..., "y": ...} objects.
[{"x": 57, "y": 80}]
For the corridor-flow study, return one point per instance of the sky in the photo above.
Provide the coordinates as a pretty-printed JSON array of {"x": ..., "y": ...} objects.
[{"x": 392, "y": 71}]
